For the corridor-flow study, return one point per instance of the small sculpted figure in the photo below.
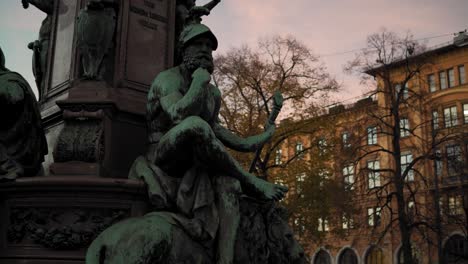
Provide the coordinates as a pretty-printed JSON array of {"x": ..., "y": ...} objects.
[
  {"x": 95, "y": 31},
  {"x": 40, "y": 47},
  {"x": 22, "y": 141}
]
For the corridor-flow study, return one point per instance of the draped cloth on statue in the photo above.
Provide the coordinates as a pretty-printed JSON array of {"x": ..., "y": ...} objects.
[
  {"x": 22, "y": 140},
  {"x": 192, "y": 197}
]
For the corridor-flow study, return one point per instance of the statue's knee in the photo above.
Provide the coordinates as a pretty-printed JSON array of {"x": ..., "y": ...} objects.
[
  {"x": 199, "y": 125},
  {"x": 228, "y": 185}
]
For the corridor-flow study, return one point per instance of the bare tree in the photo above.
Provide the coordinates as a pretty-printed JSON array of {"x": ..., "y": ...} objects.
[
  {"x": 249, "y": 78},
  {"x": 392, "y": 65}
]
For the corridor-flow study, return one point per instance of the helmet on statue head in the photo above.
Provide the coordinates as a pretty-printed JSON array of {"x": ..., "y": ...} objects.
[{"x": 196, "y": 30}]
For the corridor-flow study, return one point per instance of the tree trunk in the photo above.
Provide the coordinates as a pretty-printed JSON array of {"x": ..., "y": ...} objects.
[{"x": 399, "y": 183}]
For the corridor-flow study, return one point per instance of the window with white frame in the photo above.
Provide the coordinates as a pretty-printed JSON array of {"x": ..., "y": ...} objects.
[
  {"x": 406, "y": 158},
  {"x": 410, "y": 209},
  {"x": 278, "y": 157},
  {"x": 441, "y": 205},
  {"x": 347, "y": 222},
  {"x": 345, "y": 138},
  {"x": 404, "y": 94},
  {"x": 279, "y": 181},
  {"x": 431, "y": 80},
  {"x": 438, "y": 164},
  {"x": 300, "y": 179},
  {"x": 461, "y": 74},
  {"x": 443, "y": 80},
  {"x": 451, "y": 116},
  {"x": 300, "y": 223},
  {"x": 348, "y": 177},
  {"x": 373, "y": 175},
  {"x": 322, "y": 225},
  {"x": 451, "y": 77},
  {"x": 465, "y": 113},
  {"x": 455, "y": 205},
  {"x": 404, "y": 127},
  {"x": 374, "y": 216},
  {"x": 435, "y": 119},
  {"x": 322, "y": 146},
  {"x": 372, "y": 135},
  {"x": 454, "y": 159},
  {"x": 299, "y": 149},
  {"x": 406, "y": 91},
  {"x": 324, "y": 176}
]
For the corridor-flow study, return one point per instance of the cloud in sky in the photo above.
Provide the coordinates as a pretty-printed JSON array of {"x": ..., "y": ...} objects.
[
  {"x": 327, "y": 27},
  {"x": 335, "y": 26}
]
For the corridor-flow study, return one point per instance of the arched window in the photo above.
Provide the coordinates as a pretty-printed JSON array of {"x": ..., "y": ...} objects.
[
  {"x": 348, "y": 257},
  {"x": 322, "y": 257},
  {"x": 456, "y": 250},
  {"x": 375, "y": 256}
]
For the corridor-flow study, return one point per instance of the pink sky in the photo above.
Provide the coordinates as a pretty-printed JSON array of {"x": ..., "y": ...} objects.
[{"x": 327, "y": 27}]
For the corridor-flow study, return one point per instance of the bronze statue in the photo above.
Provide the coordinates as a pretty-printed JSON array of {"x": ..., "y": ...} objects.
[
  {"x": 194, "y": 183},
  {"x": 40, "y": 47},
  {"x": 188, "y": 142},
  {"x": 22, "y": 141},
  {"x": 95, "y": 30}
]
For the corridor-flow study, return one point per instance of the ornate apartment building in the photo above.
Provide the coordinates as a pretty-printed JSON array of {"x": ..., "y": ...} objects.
[{"x": 429, "y": 163}]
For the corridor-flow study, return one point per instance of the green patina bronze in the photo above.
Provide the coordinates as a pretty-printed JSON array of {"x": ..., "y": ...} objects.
[
  {"x": 195, "y": 185},
  {"x": 187, "y": 13},
  {"x": 22, "y": 141}
]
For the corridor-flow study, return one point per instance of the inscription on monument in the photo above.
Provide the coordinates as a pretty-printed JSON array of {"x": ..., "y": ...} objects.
[{"x": 147, "y": 39}]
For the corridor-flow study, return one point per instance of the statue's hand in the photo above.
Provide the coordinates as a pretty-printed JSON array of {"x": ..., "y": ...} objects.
[
  {"x": 201, "y": 75},
  {"x": 278, "y": 100}
]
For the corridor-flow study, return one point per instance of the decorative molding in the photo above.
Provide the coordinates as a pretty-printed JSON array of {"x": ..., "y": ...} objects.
[
  {"x": 60, "y": 228},
  {"x": 80, "y": 140}
]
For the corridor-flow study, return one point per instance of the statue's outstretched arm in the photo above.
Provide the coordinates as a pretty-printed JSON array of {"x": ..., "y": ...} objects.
[
  {"x": 178, "y": 106},
  {"x": 46, "y": 6},
  {"x": 235, "y": 142},
  {"x": 212, "y": 4}
]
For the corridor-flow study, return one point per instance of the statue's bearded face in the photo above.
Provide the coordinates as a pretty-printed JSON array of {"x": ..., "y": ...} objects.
[{"x": 199, "y": 53}]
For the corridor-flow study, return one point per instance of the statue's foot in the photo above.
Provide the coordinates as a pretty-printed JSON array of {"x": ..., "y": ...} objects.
[{"x": 269, "y": 191}]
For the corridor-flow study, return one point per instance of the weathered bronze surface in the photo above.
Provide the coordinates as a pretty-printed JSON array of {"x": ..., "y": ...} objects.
[
  {"x": 188, "y": 13},
  {"x": 22, "y": 141},
  {"x": 193, "y": 182}
]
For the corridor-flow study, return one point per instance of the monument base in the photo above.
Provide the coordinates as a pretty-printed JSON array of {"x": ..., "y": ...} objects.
[{"x": 54, "y": 219}]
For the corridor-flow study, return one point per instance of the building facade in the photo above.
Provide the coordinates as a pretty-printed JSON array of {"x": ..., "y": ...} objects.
[{"x": 430, "y": 91}]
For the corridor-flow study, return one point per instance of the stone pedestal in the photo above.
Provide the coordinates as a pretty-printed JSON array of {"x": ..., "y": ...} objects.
[
  {"x": 95, "y": 129},
  {"x": 53, "y": 219},
  {"x": 104, "y": 131}
]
